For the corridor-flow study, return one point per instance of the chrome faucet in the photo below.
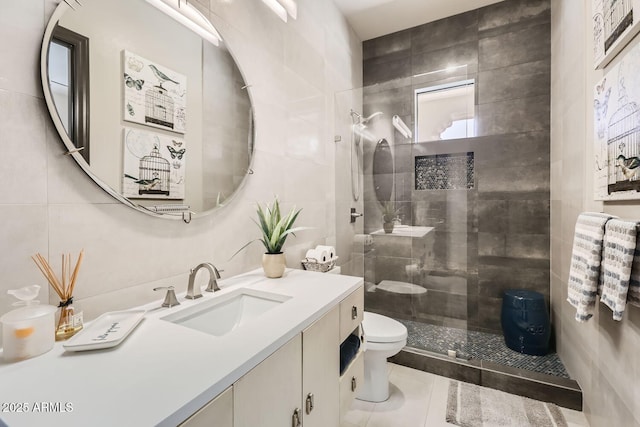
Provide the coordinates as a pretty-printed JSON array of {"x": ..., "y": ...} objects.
[{"x": 214, "y": 275}]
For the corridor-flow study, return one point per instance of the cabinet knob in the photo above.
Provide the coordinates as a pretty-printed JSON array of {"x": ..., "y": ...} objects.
[
  {"x": 309, "y": 403},
  {"x": 354, "y": 312},
  {"x": 354, "y": 384},
  {"x": 295, "y": 418}
]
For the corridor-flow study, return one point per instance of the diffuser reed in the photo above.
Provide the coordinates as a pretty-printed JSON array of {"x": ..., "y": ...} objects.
[{"x": 70, "y": 320}]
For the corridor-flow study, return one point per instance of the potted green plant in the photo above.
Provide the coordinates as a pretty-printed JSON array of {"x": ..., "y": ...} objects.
[
  {"x": 275, "y": 229},
  {"x": 389, "y": 215}
]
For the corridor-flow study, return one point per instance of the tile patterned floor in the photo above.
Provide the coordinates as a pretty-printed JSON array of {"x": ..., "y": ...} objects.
[
  {"x": 418, "y": 399},
  {"x": 479, "y": 346}
]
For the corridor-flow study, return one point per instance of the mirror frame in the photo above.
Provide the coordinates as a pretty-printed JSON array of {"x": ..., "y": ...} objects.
[{"x": 75, "y": 152}]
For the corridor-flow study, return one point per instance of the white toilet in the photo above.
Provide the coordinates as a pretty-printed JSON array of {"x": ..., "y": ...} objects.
[{"x": 384, "y": 337}]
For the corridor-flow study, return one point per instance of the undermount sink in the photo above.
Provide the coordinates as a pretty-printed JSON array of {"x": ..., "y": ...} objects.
[{"x": 225, "y": 313}]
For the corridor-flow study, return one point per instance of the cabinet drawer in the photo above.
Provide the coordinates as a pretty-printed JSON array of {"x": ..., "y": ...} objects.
[
  {"x": 350, "y": 382},
  {"x": 351, "y": 311}
]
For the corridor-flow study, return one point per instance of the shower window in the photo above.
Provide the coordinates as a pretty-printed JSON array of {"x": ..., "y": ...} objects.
[{"x": 445, "y": 111}]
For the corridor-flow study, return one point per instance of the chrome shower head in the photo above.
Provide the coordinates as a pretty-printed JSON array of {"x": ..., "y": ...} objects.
[
  {"x": 371, "y": 117},
  {"x": 358, "y": 119}
]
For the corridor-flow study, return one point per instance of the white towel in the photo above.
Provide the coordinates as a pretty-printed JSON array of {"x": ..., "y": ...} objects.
[
  {"x": 618, "y": 251},
  {"x": 633, "y": 297},
  {"x": 585, "y": 263}
]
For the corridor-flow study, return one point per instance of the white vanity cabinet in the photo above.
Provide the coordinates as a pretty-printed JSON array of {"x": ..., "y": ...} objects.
[
  {"x": 352, "y": 378},
  {"x": 299, "y": 384},
  {"x": 321, "y": 358},
  {"x": 351, "y": 315},
  {"x": 218, "y": 412},
  {"x": 269, "y": 394},
  {"x": 304, "y": 375},
  {"x": 294, "y": 386},
  {"x": 351, "y": 312}
]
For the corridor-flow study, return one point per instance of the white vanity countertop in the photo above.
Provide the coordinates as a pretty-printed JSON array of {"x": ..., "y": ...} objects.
[{"x": 163, "y": 372}]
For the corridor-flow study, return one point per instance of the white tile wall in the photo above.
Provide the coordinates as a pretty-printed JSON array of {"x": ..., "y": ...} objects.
[
  {"x": 22, "y": 26},
  {"x": 48, "y": 205},
  {"x": 23, "y": 133},
  {"x": 599, "y": 354}
]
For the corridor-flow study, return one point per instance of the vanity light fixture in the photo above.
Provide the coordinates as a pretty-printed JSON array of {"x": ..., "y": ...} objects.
[
  {"x": 190, "y": 17},
  {"x": 283, "y": 8}
]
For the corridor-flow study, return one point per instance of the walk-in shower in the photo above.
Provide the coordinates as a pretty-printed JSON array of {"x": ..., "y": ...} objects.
[
  {"x": 459, "y": 154},
  {"x": 469, "y": 224}
]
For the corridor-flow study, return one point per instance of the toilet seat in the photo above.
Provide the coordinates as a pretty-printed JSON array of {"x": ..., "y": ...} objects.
[{"x": 381, "y": 329}]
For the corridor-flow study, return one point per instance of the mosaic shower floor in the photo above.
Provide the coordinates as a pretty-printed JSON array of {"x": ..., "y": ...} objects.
[{"x": 479, "y": 346}]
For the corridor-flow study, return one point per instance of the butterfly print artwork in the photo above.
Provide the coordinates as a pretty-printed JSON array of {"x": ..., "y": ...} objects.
[
  {"x": 130, "y": 82},
  {"x": 176, "y": 153}
]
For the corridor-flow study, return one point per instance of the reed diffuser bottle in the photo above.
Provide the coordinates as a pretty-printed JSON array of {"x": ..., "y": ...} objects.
[
  {"x": 70, "y": 316},
  {"x": 70, "y": 320}
]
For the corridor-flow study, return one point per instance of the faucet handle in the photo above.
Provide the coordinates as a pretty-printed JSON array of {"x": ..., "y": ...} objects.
[
  {"x": 170, "y": 298},
  {"x": 213, "y": 280}
]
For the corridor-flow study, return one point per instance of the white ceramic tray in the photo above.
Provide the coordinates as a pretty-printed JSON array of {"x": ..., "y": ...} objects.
[{"x": 106, "y": 331}]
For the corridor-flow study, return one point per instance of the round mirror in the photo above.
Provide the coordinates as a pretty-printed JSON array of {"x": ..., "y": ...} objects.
[{"x": 149, "y": 102}]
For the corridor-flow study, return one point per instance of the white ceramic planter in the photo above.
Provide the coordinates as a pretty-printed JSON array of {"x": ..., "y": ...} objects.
[{"x": 273, "y": 265}]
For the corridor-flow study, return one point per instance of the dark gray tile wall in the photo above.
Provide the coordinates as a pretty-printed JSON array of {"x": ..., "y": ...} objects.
[
  {"x": 496, "y": 235},
  {"x": 438, "y": 35},
  {"x": 515, "y": 47},
  {"x": 504, "y": 16}
]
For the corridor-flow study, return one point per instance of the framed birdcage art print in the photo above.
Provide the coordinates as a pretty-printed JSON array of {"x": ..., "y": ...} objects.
[
  {"x": 617, "y": 131},
  {"x": 154, "y": 165},
  {"x": 154, "y": 95},
  {"x": 615, "y": 24}
]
